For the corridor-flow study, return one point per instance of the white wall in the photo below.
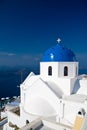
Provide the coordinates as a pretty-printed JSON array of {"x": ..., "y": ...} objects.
[
  {"x": 61, "y": 85},
  {"x": 72, "y": 68},
  {"x": 58, "y": 69},
  {"x": 44, "y": 68},
  {"x": 83, "y": 86},
  {"x": 70, "y": 110},
  {"x": 26, "y": 115},
  {"x": 40, "y": 90},
  {"x": 15, "y": 119}
]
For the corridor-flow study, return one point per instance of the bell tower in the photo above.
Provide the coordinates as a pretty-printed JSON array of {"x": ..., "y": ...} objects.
[{"x": 59, "y": 65}]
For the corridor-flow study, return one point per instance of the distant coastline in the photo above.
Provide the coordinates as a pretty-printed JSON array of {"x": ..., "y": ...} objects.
[{"x": 10, "y": 79}]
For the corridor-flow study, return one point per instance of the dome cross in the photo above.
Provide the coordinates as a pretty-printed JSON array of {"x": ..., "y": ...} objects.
[{"x": 58, "y": 40}]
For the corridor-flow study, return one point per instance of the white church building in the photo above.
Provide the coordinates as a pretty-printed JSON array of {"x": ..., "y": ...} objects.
[{"x": 55, "y": 97}]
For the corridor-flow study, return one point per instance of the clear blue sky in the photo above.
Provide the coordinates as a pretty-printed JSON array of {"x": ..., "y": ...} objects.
[{"x": 29, "y": 27}]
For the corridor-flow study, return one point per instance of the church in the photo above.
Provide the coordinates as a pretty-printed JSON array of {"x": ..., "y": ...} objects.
[{"x": 55, "y": 97}]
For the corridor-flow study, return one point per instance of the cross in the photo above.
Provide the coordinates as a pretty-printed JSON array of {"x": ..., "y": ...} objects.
[{"x": 58, "y": 40}]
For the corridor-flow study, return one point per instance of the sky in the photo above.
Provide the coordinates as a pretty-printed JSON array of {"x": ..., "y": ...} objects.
[{"x": 29, "y": 27}]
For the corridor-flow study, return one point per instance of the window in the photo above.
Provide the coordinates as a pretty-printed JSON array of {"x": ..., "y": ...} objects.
[
  {"x": 65, "y": 71},
  {"x": 49, "y": 70},
  {"x": 79, "y": 113}
]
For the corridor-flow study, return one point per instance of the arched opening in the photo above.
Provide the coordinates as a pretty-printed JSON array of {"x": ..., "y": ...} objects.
[
  {"x": 65, "y": 71},
  {"x": 27, "y": 122},
  {"x": 49, "y": 70}
]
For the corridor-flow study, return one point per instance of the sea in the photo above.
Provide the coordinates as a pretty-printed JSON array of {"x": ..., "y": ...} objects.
[{"x": 10, "y": 80}]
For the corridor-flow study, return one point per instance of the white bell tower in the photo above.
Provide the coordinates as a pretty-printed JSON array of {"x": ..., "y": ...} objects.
[{"x": 60, "y": 66}]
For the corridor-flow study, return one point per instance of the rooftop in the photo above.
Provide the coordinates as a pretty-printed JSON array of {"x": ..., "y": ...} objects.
[{"x": 59, "y": 53}]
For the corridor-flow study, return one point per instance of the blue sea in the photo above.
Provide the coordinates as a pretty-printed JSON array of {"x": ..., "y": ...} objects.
[{"x": 11, "y": 79}]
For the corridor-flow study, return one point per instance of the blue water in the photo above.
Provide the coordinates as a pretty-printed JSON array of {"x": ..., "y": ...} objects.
[
  {"x": 10, "y": 79},
  {"x": 83, "y": 71}
]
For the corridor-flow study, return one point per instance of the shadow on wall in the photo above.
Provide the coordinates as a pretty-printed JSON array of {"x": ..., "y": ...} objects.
[
  {"x": 76, "y": 86},
  {"x": 55, "y": 89}
]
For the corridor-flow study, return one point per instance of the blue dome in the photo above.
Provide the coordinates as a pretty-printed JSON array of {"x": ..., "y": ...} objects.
[{"x": 59, "y": 53}]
